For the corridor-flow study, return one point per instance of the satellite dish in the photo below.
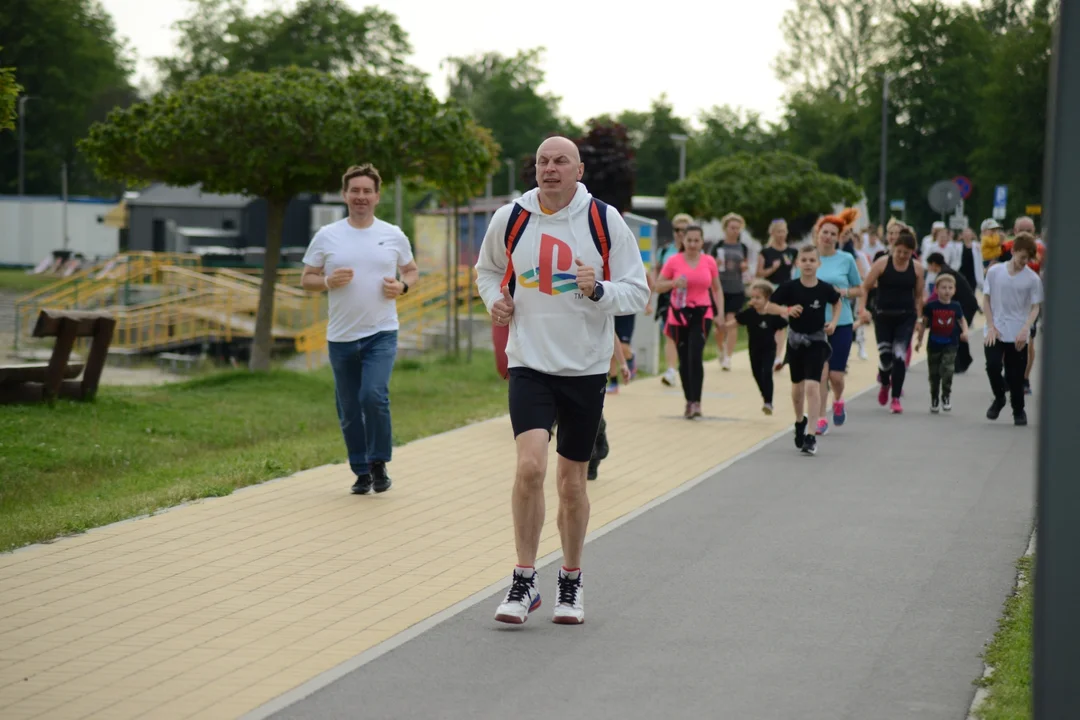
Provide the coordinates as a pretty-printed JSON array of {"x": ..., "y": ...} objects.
[{"x": 945, "y": 196}]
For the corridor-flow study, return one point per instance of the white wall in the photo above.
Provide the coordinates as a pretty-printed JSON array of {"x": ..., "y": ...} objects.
[{"x": 32, "y": 228}]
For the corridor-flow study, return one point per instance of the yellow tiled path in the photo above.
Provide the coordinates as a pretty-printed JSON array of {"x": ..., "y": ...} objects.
[{"x": 214, "y": 608}]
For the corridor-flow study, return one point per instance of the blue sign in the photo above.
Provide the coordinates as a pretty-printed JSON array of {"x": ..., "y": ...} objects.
[
  {"x": 896, "y": 205},
  {"x": 964, "y": 184},
  {"x": 1001, "y": 196}
]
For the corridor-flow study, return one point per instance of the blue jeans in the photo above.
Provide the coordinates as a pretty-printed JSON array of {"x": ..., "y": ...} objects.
[{"x": 362, "y": 385}]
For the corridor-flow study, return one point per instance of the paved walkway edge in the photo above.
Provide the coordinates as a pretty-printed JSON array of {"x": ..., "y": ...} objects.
[{"x": 326, "y": 678}]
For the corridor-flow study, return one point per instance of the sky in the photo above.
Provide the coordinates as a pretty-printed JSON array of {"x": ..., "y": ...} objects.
[{"x": 601, "y": 56}]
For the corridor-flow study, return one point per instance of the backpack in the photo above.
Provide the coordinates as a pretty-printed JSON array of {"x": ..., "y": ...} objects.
[{"x": 515, "y": 226}]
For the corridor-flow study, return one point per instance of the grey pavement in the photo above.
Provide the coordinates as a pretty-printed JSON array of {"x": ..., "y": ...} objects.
[{"x": 862, "y": 583}]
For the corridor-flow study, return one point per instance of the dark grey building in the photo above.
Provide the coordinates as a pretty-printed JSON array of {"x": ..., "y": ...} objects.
[{"x": 165, "y": 218}]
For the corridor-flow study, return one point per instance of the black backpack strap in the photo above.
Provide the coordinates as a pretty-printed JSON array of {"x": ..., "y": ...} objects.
[
  {"x": 598, "y": 228},
  {"x": 515, "y": 226}
]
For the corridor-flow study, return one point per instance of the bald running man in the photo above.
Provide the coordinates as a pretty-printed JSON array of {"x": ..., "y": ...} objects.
[{"x": 560, "y": 310}]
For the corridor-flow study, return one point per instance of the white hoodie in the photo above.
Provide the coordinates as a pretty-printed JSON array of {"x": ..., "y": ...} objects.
[{"x": 555, "y": 329}]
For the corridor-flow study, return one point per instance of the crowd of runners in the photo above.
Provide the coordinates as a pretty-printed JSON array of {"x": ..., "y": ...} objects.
[{"x": 562, "y": 276}]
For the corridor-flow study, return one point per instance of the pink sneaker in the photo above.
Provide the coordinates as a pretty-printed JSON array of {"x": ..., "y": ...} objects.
[
  {"x": 883, "y": 396},
  {"x": 839, "y": 414},
  {"x": 895, "y": 407},
  {"x": 822, "y": 426}
]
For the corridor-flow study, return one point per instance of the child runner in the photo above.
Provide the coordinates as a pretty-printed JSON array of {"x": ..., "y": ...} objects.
[
  {"x": 1011, "y": 300},
  {"x": 775, "y": 263},
  {"x": 948, "y": 327},
  {"x": 900, "y": 297},
  {"x": 838, "y": 269},
  {"x": 692, "y": 277},
  {"x": 761, "y": 330},
  {"x": 803, "y": 302}
]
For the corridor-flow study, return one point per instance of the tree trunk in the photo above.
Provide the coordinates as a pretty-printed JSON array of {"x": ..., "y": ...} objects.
[{"x": 264, "y": 317}]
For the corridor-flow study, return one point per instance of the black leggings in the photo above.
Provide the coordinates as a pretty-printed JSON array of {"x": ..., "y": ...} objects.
[
  {"x": 893, "y": 339},
  {"x": 1003, "y": 356},
  {"x": 690, "y": 342},
  {"x": 761, "y": 362}
]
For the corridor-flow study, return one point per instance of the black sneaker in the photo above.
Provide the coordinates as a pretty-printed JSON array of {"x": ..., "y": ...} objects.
[
  {"x": 946, "y": 403},
  {"x": 995, "y": 408},
  {"x": 382, "y": 481},
  {"x": 809, "y": 445},
  {"x": 594, "y": 467},
  {"x": 934, "y": 406},
  {"x": 800, "y": 432},
  {"x": 1020, "y": 418},
  {"x": 362, "y": 486}
]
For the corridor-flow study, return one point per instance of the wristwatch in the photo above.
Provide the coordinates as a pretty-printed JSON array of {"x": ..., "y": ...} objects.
[
  {"x": 598, "y": 292},
  {"x": 404, "y": 287}
]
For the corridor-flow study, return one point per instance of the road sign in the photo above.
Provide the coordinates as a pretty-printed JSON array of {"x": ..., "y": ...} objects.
[
  {"x": 958, "y": 222},
  {"x": 1033, "y": 210},
  {"x": 964, "y": 184},
  {"x": 897, "y": 205},
  {"x": 1001, "y": 200}
]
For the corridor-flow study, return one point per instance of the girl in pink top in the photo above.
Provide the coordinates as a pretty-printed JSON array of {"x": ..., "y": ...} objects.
[{"x": 691, "y": 276}]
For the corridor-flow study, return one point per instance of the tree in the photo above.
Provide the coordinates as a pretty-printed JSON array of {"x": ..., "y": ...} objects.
[
  {"x": 9, "y": 95},
  {"x": 832, "y": 44},
  {"x": 503, "y": 94},
  {"x": 75, "y": 70},
  {"x": 220, "y": 38},
  {"x": 727, "y": 131},
  {"x": 277, "y": 134},
  {"x": 760, "y": 187},
  {"x": 657, "y": 155},
  {"x": 610, "y": 168}
]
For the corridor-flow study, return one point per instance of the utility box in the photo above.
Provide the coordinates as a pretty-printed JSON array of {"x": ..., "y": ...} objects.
[{"x": 646, "y": 340}]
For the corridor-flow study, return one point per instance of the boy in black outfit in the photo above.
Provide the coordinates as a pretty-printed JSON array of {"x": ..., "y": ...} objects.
[
  {"x": 803, "y": 303},
  {"x": 761, "y": 331},
  {"x": 947, "y": 328}
]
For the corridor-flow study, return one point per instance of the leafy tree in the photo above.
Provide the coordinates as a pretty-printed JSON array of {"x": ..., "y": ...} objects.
[
  {"x": 503, "y": 94},
  {"x": 832, "y": 44},
  {"x": 220, "y": 38},
  {"x": 74, "y": 69},
  {"x": 610, "y": 169},
  {"x": 727, "y": 131},
  {"x": 760, "y": 187},
  {"x": 657, "y": 154},
  {"x": 9, "y": 95},
  {"x": 277, "y": 134}
]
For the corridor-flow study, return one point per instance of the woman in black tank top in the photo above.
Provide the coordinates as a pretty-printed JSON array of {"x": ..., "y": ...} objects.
[{"x": 899, "y": 281}]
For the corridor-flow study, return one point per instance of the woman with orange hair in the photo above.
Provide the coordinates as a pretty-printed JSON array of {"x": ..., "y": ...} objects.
[{"x": 839, "y": 270}]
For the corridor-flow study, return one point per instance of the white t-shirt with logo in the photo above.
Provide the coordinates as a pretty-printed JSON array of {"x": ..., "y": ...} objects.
[
  {"x": 359, "y": 309},
  {"x": 1011, "y": 298}
]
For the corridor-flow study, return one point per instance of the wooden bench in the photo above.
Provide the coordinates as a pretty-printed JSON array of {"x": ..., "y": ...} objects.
[{"x": 36, "y": 382}]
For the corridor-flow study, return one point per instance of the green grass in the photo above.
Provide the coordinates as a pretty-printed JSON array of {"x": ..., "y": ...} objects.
[
  {"x": 135, "y": 450},
  {"x": 1010, "y": 653},
  {"x": 17, "y": 280}
]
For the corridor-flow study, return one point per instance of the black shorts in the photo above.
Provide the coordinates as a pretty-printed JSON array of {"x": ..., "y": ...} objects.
[
  {"x": 624, "y": 328},
  {"x": 537, "y": 400},
  {"x": 808, "y": 361},
  {"x": 733, "y": 302}
]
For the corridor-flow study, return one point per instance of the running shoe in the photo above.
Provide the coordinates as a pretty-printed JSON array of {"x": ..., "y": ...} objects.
[
  {"x": 895, "y": 408},
  {"x": 381, "y": 482},
  {"x": 839, "y": 413},
  {"x": 883, "y": 395},
  {"x": 668, "y": 377},
  {"x": 695, "y": 409},
  {"x": 934, "y": 406},
  {"x": 1019, "y": 418},
  {"x": 362, "y": 486},
  {"x": 822, "y": 426},
  {"x": 521, "y": 599},
  {"x": 946, "y": 403},
  {"x": 995, "y": 408},
  {"x": 594, "y": 470},
  {"x": 800, "y": 432},
  {"x": 809, "y": 446},
  {"x": 632, "y": 364},
  {"x": 767, "y": 408},
  {"x": 570, "y": 609},
  {"x": 725, "y": 363},
  {"x": 689, "y": 412}
]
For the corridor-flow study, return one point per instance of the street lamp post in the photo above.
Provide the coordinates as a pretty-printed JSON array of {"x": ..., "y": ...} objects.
[
  {"x": 23, "y": 99},
  {"x": 680, "y": 140},
  {"x": 883, "y": 208}
]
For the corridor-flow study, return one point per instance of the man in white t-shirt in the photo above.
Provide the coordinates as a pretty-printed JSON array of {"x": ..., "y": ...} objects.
[
  {"x": 357, "y": 261},
  {"x": 1012, "y": 295}
]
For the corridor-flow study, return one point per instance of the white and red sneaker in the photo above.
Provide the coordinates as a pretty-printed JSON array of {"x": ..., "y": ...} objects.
[
  {"x": 521, "y": 599},
  {"x": 570, "y": 609}
]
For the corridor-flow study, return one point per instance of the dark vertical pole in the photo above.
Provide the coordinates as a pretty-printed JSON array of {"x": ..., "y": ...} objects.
[
  {"x": 882, "y": 199},
  {"x": 455, "y": 299},
  {"x": 1057, "y": 575}
]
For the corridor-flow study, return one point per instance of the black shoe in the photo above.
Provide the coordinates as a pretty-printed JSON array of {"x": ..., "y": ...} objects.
[
  {"x": 594, "y": 467},
  {"x": 809, "y": 445},
  {"x": 800, "y": 432},
  {"x": 995, "y": 408},
  {"x": 362, "y": 486},
  {"x": 1020, "y": 418},
  {"x": 382, "y": 481}
]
